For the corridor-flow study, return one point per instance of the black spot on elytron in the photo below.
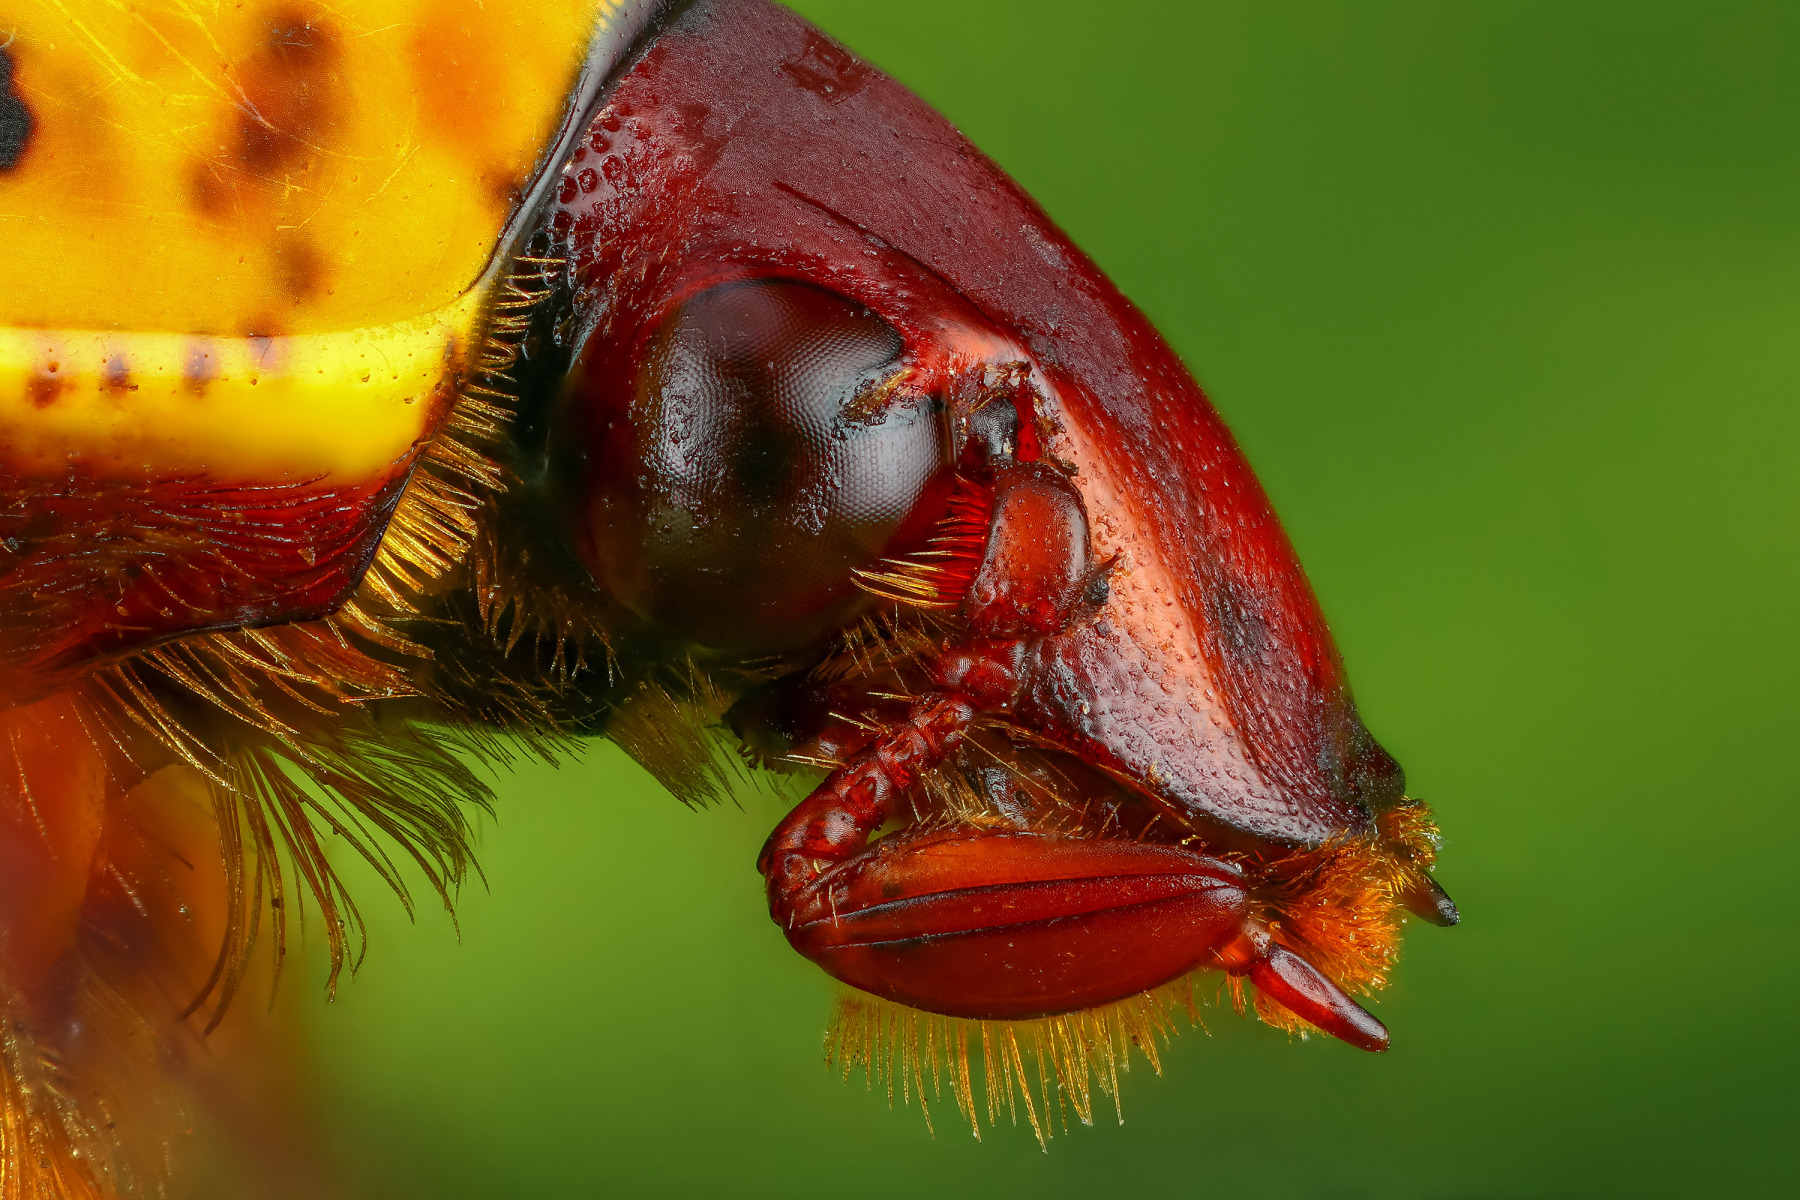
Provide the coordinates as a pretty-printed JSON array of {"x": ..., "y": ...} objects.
[
  {"x": 115, "y": 379},
  {"x": 294, "y": 92},
  {"x": 201, "y": 367},
  {"x": 300, "y": 267},
  {"x": 15, "y": 119},
  {"x": 44, "y": 387}
]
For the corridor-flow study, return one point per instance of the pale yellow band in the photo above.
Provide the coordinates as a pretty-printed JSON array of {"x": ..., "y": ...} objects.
[{"x": 339, "y": 406}]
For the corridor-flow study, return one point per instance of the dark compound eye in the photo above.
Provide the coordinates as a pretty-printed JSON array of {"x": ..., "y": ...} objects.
[{"x": 750, "y": 459}]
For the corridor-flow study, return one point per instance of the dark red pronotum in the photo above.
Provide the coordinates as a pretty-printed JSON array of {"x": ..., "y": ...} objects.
[{"x": 779, "y": 409}]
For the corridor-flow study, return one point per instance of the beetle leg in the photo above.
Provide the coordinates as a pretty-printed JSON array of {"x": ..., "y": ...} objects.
[
  {"x": 993, "y": 924},
  {"x": 1428, "y": 901},
  {"x": 1018, "y": 924},
  {"x": 1302, "y": 989},
  {"x": 1014, "y": 924},
  {"x": 856, "y": 799},
  {"x": 53, "y": 801},
  {"x": 983, "y": 924}
]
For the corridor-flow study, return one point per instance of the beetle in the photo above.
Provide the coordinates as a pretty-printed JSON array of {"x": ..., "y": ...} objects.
[{"x": 713, "y": 383}]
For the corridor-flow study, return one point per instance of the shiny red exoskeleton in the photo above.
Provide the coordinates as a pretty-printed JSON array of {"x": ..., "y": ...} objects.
[
  {"x": 792, "y": 418},
  {"x": 759, "y": 219}
]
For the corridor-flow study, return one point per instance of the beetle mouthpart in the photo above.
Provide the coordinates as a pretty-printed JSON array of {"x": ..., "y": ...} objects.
[
  {"x": 1429, "y": 902},
  {"x": 1002, "y": 926},
  {"x": 1298, "y": 986}
]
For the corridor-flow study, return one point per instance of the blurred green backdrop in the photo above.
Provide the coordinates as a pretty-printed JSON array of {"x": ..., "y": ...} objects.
[{"x": 1503, "y": 301}]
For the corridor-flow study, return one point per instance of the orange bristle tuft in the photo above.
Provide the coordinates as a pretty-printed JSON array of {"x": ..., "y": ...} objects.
[
  {"x": 1047, "y": 1068},
  {"x": 1340, "y": 906}
]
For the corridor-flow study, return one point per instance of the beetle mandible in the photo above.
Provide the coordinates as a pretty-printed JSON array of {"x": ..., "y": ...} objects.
[{"x": 713, "y": 382}]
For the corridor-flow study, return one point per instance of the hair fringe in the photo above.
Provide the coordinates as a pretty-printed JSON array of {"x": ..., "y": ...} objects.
[
  {"x": 298, "y": 761},
  {"x": 1067, "y": 1058},
  {"x": 279, "y": 720},
  {"x": 672, "y": 727},
  {"x": 1340, "y": 905}
]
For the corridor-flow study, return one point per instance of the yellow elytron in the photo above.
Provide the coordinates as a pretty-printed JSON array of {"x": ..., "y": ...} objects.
[
  {"x": 249, "y": 254},
  {"x": 281, "y": 208}
]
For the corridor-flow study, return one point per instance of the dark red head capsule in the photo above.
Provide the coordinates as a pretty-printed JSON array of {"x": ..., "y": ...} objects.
[{"x": 1074, "y": 580}]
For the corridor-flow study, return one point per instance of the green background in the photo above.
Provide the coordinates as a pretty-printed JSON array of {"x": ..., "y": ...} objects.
[{"x": 1503, "y": 301}]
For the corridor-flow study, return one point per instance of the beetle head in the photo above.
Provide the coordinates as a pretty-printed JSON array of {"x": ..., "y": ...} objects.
[{"x": 805, "y": 313}]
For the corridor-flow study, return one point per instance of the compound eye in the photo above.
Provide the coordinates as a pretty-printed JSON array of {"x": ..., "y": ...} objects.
[{"x": 748, "y": 461}]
